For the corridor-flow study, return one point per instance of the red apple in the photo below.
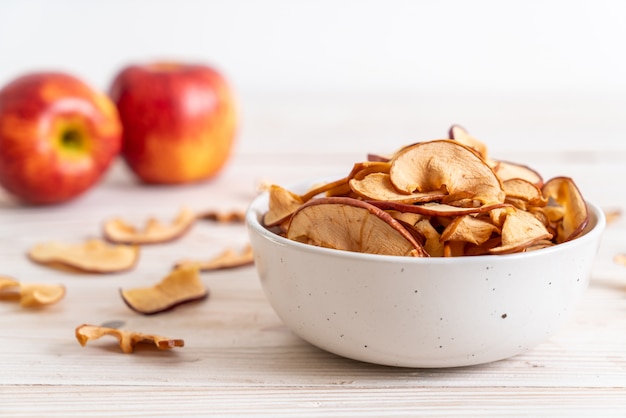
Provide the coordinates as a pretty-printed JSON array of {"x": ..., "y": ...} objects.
[
  {"x": 57, "y": 137},
  {"x": 179, "y": 121}
]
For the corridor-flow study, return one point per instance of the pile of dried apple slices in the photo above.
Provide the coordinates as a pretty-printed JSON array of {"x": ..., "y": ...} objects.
[{"x": 439, "y": 198}]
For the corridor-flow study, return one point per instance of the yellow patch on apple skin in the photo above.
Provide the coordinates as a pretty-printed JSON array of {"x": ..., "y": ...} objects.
[{"x": 71, "y": 137}]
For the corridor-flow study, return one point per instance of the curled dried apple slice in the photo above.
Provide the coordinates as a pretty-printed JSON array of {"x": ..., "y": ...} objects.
[
  {"x": 30, "y": 295},
  {"x": 182, "y": 285},
  {"x": 435, "y": 209},
  {"x": 91, "y": 256},
  {"x": 460, "y": 134},
  {"x": 519, "y": 231},
  {"x": 127, "y": 339},
  {"x": 432, "y": 238},
  {"x": 341, "y": 186},
  {"x": 469, "y": 229},
  {"x": 563, "y": 192},
  {"x": 225, "y": 260},
  {"x": 119, "y": 231},
  {"x": 282, "y": 204},
  {"x": 612, "y": 215},
  {"x": 377, "y": 186},
  {"x": 223, "y": 217},
  {"x": 429, "y": 166},
  {"x": 506, "y": 170},
  {"x": 620, "y": 259},
  {"x": 525, "y": 190},
  {"x": 352, "y": 225}
]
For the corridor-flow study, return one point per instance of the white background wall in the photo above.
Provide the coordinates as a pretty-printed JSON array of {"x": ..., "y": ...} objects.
[{"x": 359, "y": 75}]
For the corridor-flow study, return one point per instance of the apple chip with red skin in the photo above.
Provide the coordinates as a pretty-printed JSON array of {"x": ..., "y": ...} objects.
[
  {"x": 223, "y": 217},
  {"x": 352, "y": 225},
  {"x": 562, "y": 191},
  {"x": 127, "y": 339},
  {"x": 282, "y": 204},
  {"x": 377, "y": 186},
  {"x": 461, "y": 135},
  {"x": 182, "y": 285},
  {"x": 520, "y": 230},
  {"x": 119, "y": 231},
  {"x": 506, "y": 170},
  {"x": 91, "y": 256},
  {"x": 429, "y": 166},
  {"x": 30, "y": 295},
  {"x": 467, "y": 228}
]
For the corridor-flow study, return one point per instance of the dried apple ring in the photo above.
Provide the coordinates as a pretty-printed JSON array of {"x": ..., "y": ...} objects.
[
  {"x": 91, "y": 256},
  {"x": 377, "y": 186},
  {"x": 225, "y": 260},
  {"x": 429, "y": 166},
  {"x": 126, "y": 339},
  {"x": 520, "y": 230},
  {"x": 30, "y": 295},
  {"x": 154, "y": 231},
  {"x": 352, "y": 225},
  {"x": 234, "y": 216},
  {"x": 563, "y": 191},
  {"x": 182, "y": 285}
]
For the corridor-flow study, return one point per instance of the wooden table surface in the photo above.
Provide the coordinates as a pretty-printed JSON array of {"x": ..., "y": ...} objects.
[{"x": 238, "y": 359}]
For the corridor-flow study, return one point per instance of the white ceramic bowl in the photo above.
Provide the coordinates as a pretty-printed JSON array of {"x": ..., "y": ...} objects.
[{"x": 421, "y": 312}]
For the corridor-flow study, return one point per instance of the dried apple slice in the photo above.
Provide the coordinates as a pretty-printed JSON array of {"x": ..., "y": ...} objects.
[
  {"x": 460, "y": 134},
  {"x": 377, "y": 186},
  {"x": 282, "y": 204},
  {"x": 506, "y": 170},
  {"x": 8, "y": 284},
  {"x": 233, "y": 216},
  {"x": 429, "y": 166},
  {"x": 340, "y": 186},
  {"x": 119, "y": 231},
  {"x": 352, "y": 225},
  {"x": 519, "y": 231},
  {"x": 564, "y": 192},
  {"x": 469, "y": 229},
  {"x": 127, "y": 339},
  {"x": 436, "y": 209},
  {"x": 525, "y": 190},
  {"x": 620, "y": 259},
  {"x": 225, "y": 260},
  {"x": 30, "y": 295},
  {"x": 612, "y": 215},
  {"x": 91, "y": 256},
  {"x": 432, "y": 244},
  {"x": 39, "y": 294},
  {"x": 182, "y": 285}
]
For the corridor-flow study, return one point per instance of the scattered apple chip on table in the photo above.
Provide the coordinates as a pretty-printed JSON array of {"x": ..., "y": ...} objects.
[
  {"x": 30, "y": 295},
  {"x": 229, "y": 258},
  {"x": 620, "y": 259},
  {"x": 439, "y": 198},
  {"x": 154, "y": 231},
  {"x": 91, "y": 256},
  {"x": 182, "y": 285},
  {"x": 612, "y": 215},
  {"x": 127, "y": 339},
  {"x": 233, "y": 216}
]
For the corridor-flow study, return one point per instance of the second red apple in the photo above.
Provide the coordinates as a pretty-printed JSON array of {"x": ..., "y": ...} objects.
[{"x": 179, "y": 121}]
